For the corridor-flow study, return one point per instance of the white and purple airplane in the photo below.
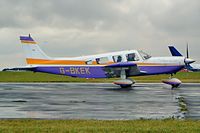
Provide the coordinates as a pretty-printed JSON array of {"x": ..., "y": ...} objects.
[{"x": 122, "y": 64}]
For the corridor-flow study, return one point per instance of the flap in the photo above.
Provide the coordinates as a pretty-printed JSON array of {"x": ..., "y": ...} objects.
[{"x": 131, "y": 69}]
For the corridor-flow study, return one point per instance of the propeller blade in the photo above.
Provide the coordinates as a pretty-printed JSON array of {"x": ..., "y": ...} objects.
[
  {"x": 189, "y": 61},
  {"x": 187, "y": 51}
]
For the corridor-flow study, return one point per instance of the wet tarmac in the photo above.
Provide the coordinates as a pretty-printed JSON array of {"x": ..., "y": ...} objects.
[{"x": 98, "y": 101}]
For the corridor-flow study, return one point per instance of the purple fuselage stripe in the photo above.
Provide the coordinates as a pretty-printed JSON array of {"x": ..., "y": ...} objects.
[
  {"x": 75, "y": 71},
  {"x": 98, "y": 71}
]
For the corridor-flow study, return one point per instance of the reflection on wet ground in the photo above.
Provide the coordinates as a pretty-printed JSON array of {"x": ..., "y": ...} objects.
[{"x": 98, "y": 101}]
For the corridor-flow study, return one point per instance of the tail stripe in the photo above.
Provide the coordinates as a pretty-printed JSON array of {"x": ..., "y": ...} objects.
[{"x": 27, "y": 40}]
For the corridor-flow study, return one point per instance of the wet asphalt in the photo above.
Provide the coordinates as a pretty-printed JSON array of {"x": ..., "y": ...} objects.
[{"x": 98, "y": 101}]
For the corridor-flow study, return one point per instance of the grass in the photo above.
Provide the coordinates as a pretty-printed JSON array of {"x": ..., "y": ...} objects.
[
  {"x": 94, "y": 126},
  {"x": 43, "y": 77}
]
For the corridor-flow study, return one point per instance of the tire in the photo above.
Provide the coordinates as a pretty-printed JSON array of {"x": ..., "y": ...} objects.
[{"x": 125, "y": 86}]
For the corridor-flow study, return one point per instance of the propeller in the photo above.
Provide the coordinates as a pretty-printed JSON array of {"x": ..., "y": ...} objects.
[
  {"x": 187, "y": 50},
  {"x": 187, "y": 59}
]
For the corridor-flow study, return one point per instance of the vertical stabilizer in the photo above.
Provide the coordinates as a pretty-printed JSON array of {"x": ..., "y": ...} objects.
[
  {"x": 174, "y": 51},
  {"x": 32, "y": 50}
]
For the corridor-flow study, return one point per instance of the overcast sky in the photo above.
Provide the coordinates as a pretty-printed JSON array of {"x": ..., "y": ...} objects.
[{"x": 80, "y": 27}]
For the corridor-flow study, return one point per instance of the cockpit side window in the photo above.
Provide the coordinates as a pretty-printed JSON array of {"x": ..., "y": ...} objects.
[
  {"x": 89, "y": 62},
  {"x": 132, "y": 57},
  {"x": 102, "y": 60},
  {"x": 117, "y": 58}
]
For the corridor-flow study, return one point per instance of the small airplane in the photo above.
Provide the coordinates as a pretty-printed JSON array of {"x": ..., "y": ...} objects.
[
  {"x": 190, "y": 67},
  {"x": 121, "y": 64}
]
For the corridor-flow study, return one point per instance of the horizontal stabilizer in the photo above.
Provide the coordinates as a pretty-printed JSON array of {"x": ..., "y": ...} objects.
[{"x": 26, "y": 68}]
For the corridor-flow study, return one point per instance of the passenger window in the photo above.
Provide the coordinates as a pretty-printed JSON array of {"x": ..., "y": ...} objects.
[
  {"x": 102, "y": 60},
  {"x": 132, "y": 57},
  {"x": 117, "y": 58},
  {"x": 89, "y": 62}
]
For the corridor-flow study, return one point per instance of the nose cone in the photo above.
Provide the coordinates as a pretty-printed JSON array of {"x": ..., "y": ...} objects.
[{"x": 189, "y": 61}]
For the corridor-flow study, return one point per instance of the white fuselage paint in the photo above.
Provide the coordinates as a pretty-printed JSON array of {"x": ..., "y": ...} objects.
[{"x": 158, "y": 60}]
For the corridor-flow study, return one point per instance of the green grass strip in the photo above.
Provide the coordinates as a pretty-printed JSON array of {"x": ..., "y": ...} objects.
[{"x": 95, "y": 126}]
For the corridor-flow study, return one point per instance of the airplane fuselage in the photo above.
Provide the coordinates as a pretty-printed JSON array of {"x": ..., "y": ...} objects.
[{"x": 152, "y": 66}]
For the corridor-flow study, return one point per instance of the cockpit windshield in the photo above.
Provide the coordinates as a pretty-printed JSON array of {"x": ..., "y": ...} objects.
[{"x": 144, "y": 55}]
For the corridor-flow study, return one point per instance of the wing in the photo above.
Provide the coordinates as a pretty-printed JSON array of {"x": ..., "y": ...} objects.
[
  {"x": 131, "y": 69},
  {"x": 25, "y": 68}
]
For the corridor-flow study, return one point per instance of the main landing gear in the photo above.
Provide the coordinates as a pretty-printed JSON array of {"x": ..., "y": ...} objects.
[
  {"x": 124, "y": 82},
  {"x": 174, "y": 82}
]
